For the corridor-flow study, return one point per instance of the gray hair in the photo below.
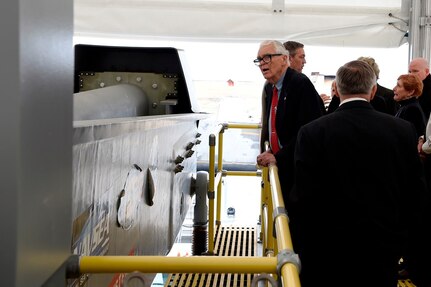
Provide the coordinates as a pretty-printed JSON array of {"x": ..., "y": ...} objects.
[
  {"x": 354, "y": 78},
  {"x": 279, "y": 48}
]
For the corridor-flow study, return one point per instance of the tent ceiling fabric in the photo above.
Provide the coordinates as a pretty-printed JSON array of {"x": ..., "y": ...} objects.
[{"x": 330, "y": 23}]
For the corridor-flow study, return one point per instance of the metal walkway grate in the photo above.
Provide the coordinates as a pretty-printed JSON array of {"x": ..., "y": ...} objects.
[{"x": 229, "y": 241}]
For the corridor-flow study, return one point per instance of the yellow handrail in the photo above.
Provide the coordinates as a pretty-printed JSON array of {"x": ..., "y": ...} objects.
[
  {"x": 242, "y": 173},
  {"x": 166, "y": 264}
]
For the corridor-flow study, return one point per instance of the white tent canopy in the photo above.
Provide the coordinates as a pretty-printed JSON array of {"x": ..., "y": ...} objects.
[{"x": 378, "y": 23}]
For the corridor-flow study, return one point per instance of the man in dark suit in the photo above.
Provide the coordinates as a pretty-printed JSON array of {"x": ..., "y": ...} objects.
[
  {"x": 297, "y": 62},
  {"x": 298, "y": 103},
  {"x": 420, "y": 67},
  {"x": 296, "y": 55},
  {"x": 357, "y": 226}
]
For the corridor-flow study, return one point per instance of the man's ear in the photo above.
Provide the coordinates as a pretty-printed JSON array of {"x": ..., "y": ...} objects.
[
  {"x": 373, "y": 92},
  {"x": 337, "y": 94}
]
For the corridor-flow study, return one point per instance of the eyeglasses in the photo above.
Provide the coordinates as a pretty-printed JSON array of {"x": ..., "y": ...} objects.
[{"x": 266, "y": 59}]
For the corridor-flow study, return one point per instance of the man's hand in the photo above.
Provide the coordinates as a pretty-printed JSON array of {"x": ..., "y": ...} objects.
[{"x": 266, "y": 158}]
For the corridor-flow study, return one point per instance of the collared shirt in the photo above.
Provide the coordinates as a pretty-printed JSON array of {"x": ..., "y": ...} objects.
[{"x": 353, "y": 99}]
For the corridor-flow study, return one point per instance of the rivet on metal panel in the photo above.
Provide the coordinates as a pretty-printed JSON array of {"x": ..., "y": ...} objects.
[
  {"x": 189, "y": 145},
  {"x": 189, "y": 153},
  {"x": 178, "y": 168},
  {"x": 179, "y": 159}
]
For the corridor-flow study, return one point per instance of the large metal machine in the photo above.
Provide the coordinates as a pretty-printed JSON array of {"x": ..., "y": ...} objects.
[{"x": 134, "y": 162}]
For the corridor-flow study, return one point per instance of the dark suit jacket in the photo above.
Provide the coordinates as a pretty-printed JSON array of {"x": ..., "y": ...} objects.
[
  {"x": 388, "y": 96},
  {"x": 333, "y": 105},
  {"x": 425, "y": 98},
  {"x": 356, "y": 223},
  {"x": 299, "y": 103},
  {"x": 410, "y": 110},
  {"x": 378, "y": 103}
]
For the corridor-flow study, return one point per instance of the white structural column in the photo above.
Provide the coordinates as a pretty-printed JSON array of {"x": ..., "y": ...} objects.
[
  {"x": 36, "y": 141},
  {"x": 420, "y": 29}
]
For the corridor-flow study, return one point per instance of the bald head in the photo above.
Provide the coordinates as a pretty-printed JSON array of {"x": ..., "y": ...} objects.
[{"x": 419, "y": 67}]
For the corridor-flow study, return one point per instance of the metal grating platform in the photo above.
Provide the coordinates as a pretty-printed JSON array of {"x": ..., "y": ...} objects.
[{"x": 229, "y": 241}]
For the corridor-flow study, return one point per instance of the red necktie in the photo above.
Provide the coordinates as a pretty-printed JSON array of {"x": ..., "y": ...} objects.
[{"x": 274, "y": 138}]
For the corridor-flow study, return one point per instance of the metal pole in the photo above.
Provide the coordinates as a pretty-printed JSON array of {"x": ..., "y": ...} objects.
[
  {"x": 427, "y": 30},
  {"x": 219, "y": 169},
  {"x": 242, "y": 173},
  {"x": 243, "y": 126},
  {"x": 211, "y": 192},
  {"x": 414, "y": 30},
  {"x": 163, "y": 264}
]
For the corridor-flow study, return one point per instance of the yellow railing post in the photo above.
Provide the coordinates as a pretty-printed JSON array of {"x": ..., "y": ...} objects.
[
  {"x": 264, "y": 208},
  {"x": 211, "y": 191},
  {"x": 270, "y": 248},
  {"x": 213, "y": 182},
  {"x": 219, "y": 170}
]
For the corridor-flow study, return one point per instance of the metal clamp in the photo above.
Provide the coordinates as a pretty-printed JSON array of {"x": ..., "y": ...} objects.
[
  {"x": 276, "y": 213},
  {"x": 261, "y": 277},
  {"x": 211, "y": 194},
  {"x": 72, "y": 267},
  {"x": 225, "y": 126},
  {"x": 287, "y": 256}
]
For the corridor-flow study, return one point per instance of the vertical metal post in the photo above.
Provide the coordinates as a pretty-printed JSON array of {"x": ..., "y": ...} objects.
[
  {"x": 211, "y": 194},
  {"x": 220, "y": 169},
  {"x": 427, "y": 30},
  {"x": 420, "y": 29},
  {"x": 271, "y": 247},
  {"x": 414, "y": 29},
  {"x": 263, "y": 209}
]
